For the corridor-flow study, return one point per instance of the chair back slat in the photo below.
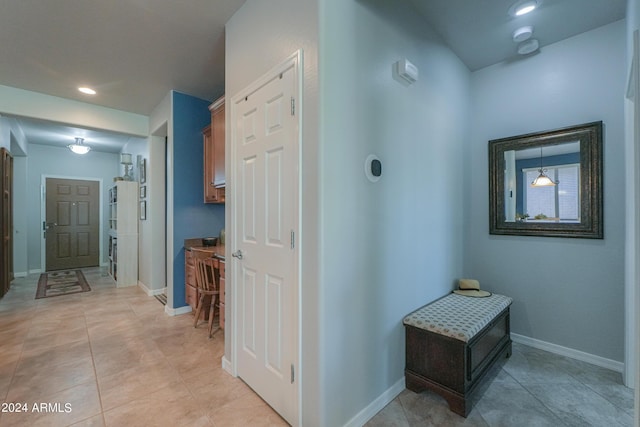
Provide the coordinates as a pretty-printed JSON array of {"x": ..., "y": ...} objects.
[{"x": 207, "y": 271}]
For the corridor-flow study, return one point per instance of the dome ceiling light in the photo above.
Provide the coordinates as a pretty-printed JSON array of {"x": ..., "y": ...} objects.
[
  {"x": 522, "y": 34},
  {"x": 79, "y": 147}
]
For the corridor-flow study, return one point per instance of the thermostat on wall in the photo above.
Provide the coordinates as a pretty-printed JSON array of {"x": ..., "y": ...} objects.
[
  {"x": 372, "y": 168},
  {"x": 407, "y": 70}
]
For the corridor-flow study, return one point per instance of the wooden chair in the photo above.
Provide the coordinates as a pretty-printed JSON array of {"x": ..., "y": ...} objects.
[{"x": 208, "y": 284}]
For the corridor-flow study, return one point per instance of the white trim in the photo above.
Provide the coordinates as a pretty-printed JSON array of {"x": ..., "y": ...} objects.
[
  {"x": 43, "y": 213},
  {"x": 20, "y": 274},
  {"x": 377, "y": 405},
  {"x": 36, "y": 271},
  {"x": 569, "y": 352},
  {"x": 177, "y": 311},
  {"x": 226, "y": 365},
  {"x": 631, "y": 375},
  {"x": 151, "y": 292}
]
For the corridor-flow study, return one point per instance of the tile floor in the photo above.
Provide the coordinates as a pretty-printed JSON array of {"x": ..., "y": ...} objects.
[
  {"x": 118, "y": 360},
  {"x": 532, "y": 388}
]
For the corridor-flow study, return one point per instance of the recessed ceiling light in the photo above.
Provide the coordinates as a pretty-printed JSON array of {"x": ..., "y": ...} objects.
[
  {"x": 523, "y": 7},
  {"x": 87, "y": 90}
]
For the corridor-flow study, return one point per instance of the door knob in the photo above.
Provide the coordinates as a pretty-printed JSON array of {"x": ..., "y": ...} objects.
[{"x": 237, "y": 254}]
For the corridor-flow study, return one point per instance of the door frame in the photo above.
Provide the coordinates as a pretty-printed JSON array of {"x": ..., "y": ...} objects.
[
  {"x": 43, "y": 215},
  {"x": 294, "y": 61}
]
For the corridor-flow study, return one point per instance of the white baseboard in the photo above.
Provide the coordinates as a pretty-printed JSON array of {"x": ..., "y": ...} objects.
[
  {"x": 151, "y": 292},
  {"x": 569, "y": 352},
  {"x": 177, "y": 311},
  {"x": 20, "y": 274},
  {"x": 226, "y": 365},
  {"x": 36, "y": 271},
  {"x": 376, "y": 406}
]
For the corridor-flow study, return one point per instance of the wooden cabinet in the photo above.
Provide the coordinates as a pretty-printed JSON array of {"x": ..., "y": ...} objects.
[
  {"x": 6, "y": 221},
  {"x": 214, "y": 140},
  {"x": 123, "y": 233}
]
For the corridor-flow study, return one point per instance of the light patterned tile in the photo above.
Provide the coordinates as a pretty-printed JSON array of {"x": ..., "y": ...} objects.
[
  {"x": 33, "y": 382},
  {"x": 169, "y": 406},
  {"x": 135, "y": 383},
  {"x": 578, "y": 405}
]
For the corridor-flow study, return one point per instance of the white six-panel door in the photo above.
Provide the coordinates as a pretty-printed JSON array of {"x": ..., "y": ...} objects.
[{"x": 265, "y": 152}]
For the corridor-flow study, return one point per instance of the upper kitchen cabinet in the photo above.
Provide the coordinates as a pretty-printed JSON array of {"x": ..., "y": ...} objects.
[{"x": 214, "y": 136}]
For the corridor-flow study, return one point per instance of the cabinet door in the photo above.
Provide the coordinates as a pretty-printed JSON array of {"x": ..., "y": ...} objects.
[
  {"x": 210, "y": 193},
  {"x": 218, "y": 132}
]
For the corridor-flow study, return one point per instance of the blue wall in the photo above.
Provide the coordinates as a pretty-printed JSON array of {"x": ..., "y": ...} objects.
[{"x": 191, "y": 216}]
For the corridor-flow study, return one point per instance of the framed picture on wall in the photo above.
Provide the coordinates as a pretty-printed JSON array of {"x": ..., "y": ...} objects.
[
  {"x": 143, "y": 171},
  {"x": 143, "y": 191},
  {"x": 143, "y": 210}
]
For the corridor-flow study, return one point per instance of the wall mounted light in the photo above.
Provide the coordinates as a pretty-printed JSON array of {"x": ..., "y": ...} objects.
[{"x": 79, "y": 147}]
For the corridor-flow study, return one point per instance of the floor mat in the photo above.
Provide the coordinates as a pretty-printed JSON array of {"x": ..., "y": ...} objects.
[{"x": 58, "y": 283}]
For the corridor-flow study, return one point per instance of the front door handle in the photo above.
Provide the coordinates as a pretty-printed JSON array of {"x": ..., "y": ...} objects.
[
  {"x": 48, "y": 225},
  {"x": 237, "y": 254}
]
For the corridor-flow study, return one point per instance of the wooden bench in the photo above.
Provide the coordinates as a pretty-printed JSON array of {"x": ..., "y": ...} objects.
[{"x": 452, "y": 343}]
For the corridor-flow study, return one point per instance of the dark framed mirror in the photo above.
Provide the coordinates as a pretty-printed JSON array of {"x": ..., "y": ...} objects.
[{"x": 547, "y": 183}]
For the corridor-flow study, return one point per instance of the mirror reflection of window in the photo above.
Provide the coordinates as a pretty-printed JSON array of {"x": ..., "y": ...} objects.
[
  {"x": 555, "y": 203},
  {"x": 560, "y": 202}
]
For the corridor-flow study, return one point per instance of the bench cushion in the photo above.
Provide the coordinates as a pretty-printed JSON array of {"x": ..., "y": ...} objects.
[{"x": 458, "y": 316}]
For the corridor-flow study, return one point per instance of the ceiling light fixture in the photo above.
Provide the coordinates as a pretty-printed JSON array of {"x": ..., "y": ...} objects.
[
  {"x": 528, "y": 46},
  {"x": 87, "y": 90},
  {"x": 78, "y": 147},
  {"x": 522, "y": 34},
  {"x": 523, "y": 7}
]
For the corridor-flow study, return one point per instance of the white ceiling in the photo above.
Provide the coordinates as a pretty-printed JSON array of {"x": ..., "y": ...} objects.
[
  {"x": 480, "y": 31},
  {"x": 133, "y": 52}
]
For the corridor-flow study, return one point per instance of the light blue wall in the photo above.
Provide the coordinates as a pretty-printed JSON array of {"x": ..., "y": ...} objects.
[
  {"x": 568, "y": 292},
  {"x": 191, "y": 216},
  {"x": 57, "y": 161},
  {"x": 392, "y": 246}
]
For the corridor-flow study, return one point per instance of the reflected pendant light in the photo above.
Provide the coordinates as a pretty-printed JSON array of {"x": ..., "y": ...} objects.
[
  {"x": 542, "y": 180},
  {"x": 78, "y": 147}
]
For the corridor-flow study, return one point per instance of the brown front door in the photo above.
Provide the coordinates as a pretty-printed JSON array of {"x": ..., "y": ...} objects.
[
  {"x": 6, "y": 220},
  {"x": 72, "y": 224}
]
